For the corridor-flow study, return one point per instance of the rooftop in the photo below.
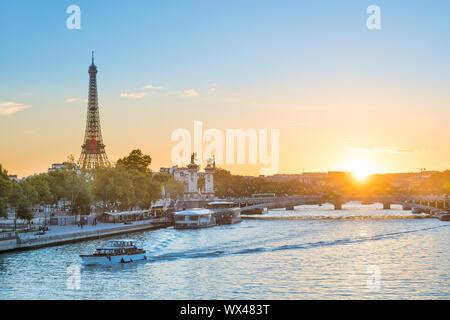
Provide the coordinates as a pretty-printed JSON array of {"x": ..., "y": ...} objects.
[{"x": 193, "y": 212}]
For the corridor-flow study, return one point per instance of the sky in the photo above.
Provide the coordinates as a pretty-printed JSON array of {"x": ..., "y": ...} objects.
[{"x": 343, "y": 97}]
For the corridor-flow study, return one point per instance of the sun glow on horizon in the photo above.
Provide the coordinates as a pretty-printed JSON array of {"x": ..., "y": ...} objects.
[
  {"x": 361, "y": 173},
  {"x": 361, "y": 168}
]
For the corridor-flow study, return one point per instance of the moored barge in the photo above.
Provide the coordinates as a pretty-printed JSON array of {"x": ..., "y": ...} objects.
[
  {"x": 215, "y": 213},
  {"x": 195, "y": 218}
]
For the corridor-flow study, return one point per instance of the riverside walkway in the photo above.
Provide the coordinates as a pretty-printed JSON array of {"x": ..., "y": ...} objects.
[
  {"x": 339, "y": 217},
  {"x": 57, "y": 235}
]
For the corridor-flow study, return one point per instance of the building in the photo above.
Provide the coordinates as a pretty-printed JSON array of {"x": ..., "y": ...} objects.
[
  {"x": 311, "y": 178},
  {"x": 59, "y": 166},
  {"x": 198, "y": 185},
  {"x": 13, "y": 177}
]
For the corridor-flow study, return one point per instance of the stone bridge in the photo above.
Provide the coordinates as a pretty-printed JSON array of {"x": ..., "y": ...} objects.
[
  {"x": 249, "y": 205},
  {"x": 427, "y": 204}
]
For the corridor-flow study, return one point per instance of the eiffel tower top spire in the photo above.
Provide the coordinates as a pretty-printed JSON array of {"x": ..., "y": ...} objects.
[{"x": 92, "y": 67}]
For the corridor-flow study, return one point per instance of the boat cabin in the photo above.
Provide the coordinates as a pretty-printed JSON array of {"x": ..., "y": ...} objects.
[
  {"x": 158, "y": 211},
  {"x": 121, "y": 243},
  {"x": 194, "y": 218},
  {"x": 221, "y": 205},
  {"x": 125, "y": 216}
]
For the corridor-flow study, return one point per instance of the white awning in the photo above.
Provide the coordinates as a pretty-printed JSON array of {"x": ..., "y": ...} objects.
[
  {"x": 193, "y": 212},
  {"x": 126, "y": 213}
]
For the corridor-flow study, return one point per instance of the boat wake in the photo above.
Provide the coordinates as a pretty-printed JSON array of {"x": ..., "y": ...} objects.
[
  {"x": 168, "y": 237},
  {"x": 191, "y": 254}
]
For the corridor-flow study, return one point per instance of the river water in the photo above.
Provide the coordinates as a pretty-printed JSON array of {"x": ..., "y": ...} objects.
[{"x": 347, "y": 258}]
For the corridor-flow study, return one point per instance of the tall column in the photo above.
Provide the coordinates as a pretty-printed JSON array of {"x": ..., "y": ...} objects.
[
  {"x": 209, "y": 181},
  {"x": 192, "y": 181}
]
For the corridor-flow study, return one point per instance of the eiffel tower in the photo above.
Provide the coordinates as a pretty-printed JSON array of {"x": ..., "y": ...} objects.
[{"x": 93, "y": 150}]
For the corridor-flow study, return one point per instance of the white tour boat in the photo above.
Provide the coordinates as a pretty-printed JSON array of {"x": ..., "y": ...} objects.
[{"x": 116, "y": 251}]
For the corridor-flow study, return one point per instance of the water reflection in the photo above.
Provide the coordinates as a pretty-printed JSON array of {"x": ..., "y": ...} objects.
[{"x": 256, "y": 259}]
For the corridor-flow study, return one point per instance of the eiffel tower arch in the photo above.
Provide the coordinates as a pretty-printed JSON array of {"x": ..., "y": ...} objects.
[{"x": 93, "y": 149}]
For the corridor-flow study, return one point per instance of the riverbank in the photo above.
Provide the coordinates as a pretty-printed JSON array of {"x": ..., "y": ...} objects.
[
  {"x": 337, "y": 217},
  {"x": 58, "y": 235}
]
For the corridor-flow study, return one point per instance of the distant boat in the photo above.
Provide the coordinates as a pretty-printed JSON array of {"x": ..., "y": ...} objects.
[
  {"x": 416, "y": 210},
  {"x": 444, "y": 217},
  {"x": 263, "y": 195},
  {"x": 225, "y": 212},
  {"x": 116, "y": 251}
]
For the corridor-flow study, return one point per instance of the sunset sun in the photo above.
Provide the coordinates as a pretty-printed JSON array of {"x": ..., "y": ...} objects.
[
  {"x": 361, "y": 169},
  {"x": 361, "y": 172}
]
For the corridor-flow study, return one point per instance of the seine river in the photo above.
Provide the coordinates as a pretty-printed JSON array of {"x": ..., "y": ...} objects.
[{"x": 257, "y": 259}]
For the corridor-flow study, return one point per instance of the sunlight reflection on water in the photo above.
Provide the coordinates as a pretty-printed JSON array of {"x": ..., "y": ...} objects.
[{"x": 256, "y": 259}]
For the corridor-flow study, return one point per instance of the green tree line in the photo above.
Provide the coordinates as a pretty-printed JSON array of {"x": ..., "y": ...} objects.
[
  {"x": 127, "y": 185},
  {"x": 229, "y": 185}
]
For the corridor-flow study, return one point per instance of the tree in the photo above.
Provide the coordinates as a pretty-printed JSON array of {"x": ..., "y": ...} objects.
[
  {"x": 17, "y": 200},
  {"x": 115, "y": 187},
  {"x": 59, "y": 182},
  {"x": 66, "y": 184},
  {"x": 136, "y": 160},
  {"x": 83, "y": 200},
  {"x": 3, "y": 172},
  {"x": 129, "y": 184},
  {"x": 162, "y": 177},
  {"x": 30, "y": 192},
  {"x": 41, "y": 185},
  {"x": 15, "y": 195},
  {"x": 223, "y": 182},
  {"x": 145, "y": 189},
  {"x": 174, "y": 187},
  {"x": 101, "y": 186},
  {"x": 3, "y": 205},
  {"x": 446, "y": 182},
  {"x": 154, "y": 190},
  {"x": 23, "y": 210},
  {"x": 5, "y": 186}
]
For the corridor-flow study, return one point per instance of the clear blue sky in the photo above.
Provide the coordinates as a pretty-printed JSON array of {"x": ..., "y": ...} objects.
[
  {"x": 264, "y": 58},
  {"x": 194, "y": 41}
]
